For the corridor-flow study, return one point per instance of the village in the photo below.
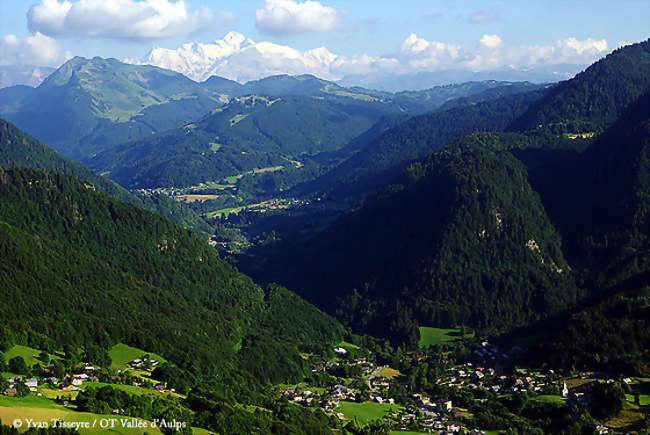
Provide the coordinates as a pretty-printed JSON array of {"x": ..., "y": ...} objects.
[
  {"x": 64, "y": 385},
  {"x": 427, "y": 414},
  {"x": 350, "y": 384}
]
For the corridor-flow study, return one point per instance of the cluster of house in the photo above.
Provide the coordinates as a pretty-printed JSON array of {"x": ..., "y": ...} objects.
[
  {"x": 31, "y": 383},
  {"x": 341, "y": 392},
  {"x": 306, "y": 397},
  {"x": 434, "y": 417},
  {"x": 478, "y": 377},
  {"x": 144, "y": 362},
  {"x": 329, "y": 405},
  {"x": 72, "y": 382},
  {"x": 440, "y": 417},
  {"x": 324, "y": 366},
  {"x": 82, "y": 373}
]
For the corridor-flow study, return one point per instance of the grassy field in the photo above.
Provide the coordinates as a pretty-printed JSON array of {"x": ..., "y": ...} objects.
[
  {"x": 346, "y": 345},
  {"x": 50, "y": 393},
  {"x": 40, "y": 409},
  {"x": 225, "y": 211},
  {"x": 29, "y": 355},
  {"x": 11, "y": 414},
  {"x": 389, "y": 373},
  {"x": 364, "y": 412},
  {"x": 629, "y": 416},
  {"x": 577, "y": 382},
  {"x": 644, "y": 399},
  {"x": 238, "y": 118},
  {"x": 233, "y": 179},
  {"x": 121, "y": 354},
  {"x": 581, "y": 135},
  {"x": 27, "y": 402},
  {"x": 138, "y": 391},
  {"x": 195, "y": 198},
  {"x": 430, "y": 336},
  {"x": 549, "y": 399}
]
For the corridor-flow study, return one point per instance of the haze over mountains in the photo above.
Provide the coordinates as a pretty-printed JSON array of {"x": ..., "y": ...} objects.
[
  {"x": 12, "y": 75},
  {"x": 240, "y": 59}
]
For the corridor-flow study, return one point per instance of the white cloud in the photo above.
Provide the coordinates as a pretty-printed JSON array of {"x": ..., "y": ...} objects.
[
  {"x": 491, "y": 41},
  {"x": 588, "y": 46},
  {"x": 120, "y": 19},
  {"x": 239, "y": 58},
  {"x": 491, "y": 53},
  {"x": 38, "y": 50},
  {"x": 292, "y": 17},
  {"x": 569, "y": 50},
  {"x": 419, "y": 54}
]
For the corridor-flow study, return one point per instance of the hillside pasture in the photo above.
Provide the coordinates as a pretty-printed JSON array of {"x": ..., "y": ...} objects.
[
  {"x": 437, "y": 336},
  {"x": 30, "y": 355},
  {"x": 364, "y": 412},
  {"x": 122, "y": 354}
]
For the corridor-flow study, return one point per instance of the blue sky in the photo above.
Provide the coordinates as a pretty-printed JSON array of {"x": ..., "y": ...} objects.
[{"x": 518, "y": 31}]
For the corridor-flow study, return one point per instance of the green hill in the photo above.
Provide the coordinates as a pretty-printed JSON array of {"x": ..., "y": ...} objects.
[
  {"x": 90, "y": 104},
  {"x": 462, "y": 238},
  {"x": 384, "y": 158},
  {"x": 599, "y": 199},
  {"x": 413, "y": 102},
  {"x": 74, "y": 256},
  {"x": 19, "y": 149},
  {"x": 280, "y": 120},
  {"x": 80, "y": 269},
  {"x": 610, "y": 334},
  {"x": 250, "y": 132}
]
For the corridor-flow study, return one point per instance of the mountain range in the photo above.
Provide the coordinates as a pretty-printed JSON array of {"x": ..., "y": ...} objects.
[{"x": 90, "y": 105}]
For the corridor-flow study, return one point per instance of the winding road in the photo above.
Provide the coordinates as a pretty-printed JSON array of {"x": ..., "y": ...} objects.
[{"x": 372, "y": 375}]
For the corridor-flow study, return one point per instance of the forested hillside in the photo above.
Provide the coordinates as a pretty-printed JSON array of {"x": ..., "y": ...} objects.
[
  {"x": 599, "y": 200},
  {"x": 594, "y": 98},
  {"x": 58, "y": 226},
  {"x": 497, "y": 230},
  {"x": 461, "y": 238},
  {"x": 80, "y": 269},
  {"x": 610, "y": 334},
  {"x": 250, "y": 132},
  {"x": 19, "y": 149},
  {"x": 383, "y": 159}
]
